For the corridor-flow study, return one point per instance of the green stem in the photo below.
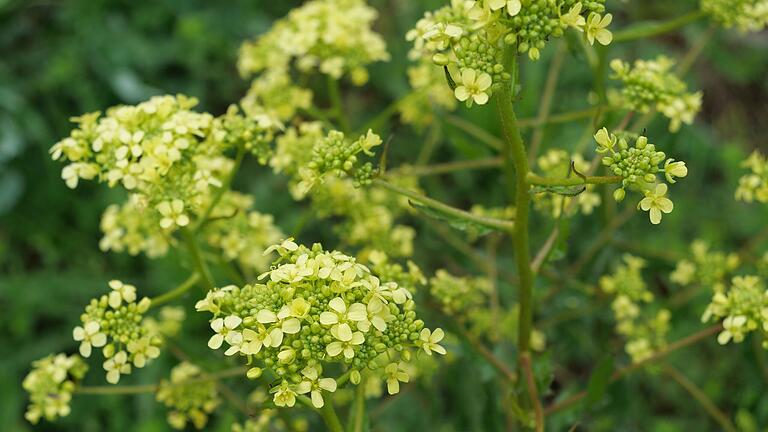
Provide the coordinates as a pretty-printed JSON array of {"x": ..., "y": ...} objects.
[
  {"x": 176, "y": 292},
  {"x": 498, "y": 224},
  {"x": 702, "y": 398},
  {"x": 517, "y": 160},
  {"x": 335, "y": 96},
  {"x": 330, "y": 417},
  {"x": 572, "y": 181},
  {"x": 445, "y": 168},
  {"x": 651, "y": 29},
  {"x": 358, "y": 409},
  {"x": 197, "y": 258},
  {"x": 220, "y": 192}
]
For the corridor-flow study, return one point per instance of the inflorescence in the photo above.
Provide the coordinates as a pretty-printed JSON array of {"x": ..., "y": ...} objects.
[
  {"x": 638, "y": 166},
  {"x": 318, "y": 316}
]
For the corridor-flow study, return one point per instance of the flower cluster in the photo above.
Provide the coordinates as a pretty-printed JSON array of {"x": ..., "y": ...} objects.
[
  {"x": 319, "y": 316},
  {"x": 754, "y": 186},
  {"x": 743, "y": 307},
  {"x": 705, "y": 268},
  {"x": 338, "y": 156},
  {"x": 468, "y": 38},
  {"x": 167, "y": 156},
  {"x": 651, "y": 84},
  {"x": 557, "y": 163},
  {"x": 50, "y": 385},
  {"x": 645, "y": 332},
  {"x": 745, "y": 15},
  {"x": 115, "y": 323},
  {"x": 189, "y": 396},
  {"x": 638, "y": 166},
  {"x": 274, "y": 94},
  {"x": 369, "y": 214},
  {"x": 333, "y": 36}
]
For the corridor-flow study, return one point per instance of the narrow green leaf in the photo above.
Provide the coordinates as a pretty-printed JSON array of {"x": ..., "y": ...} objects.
[{"x": 474, "y": 228}]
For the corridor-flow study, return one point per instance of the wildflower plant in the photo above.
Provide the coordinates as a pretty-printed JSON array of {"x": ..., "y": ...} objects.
[{"x": 335, "y": 327}]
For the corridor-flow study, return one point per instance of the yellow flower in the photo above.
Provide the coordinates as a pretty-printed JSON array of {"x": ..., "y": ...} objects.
[
  {"x": 655, "y": 202},
  {"x": 596, "y": 29},
  {"x": 474, "y": 86},
  {"x": 429, "y": 341},
  {"x": 117, "y": 365},
  {"x": 573, "y": 17},
  {"x": 173, "y": 214},
  {"x": 395, "y": 374},
  {"x": 89, "y": 336}
]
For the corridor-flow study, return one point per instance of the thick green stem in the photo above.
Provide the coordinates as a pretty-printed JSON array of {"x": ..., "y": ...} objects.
[
  {"x": 498, "y": 224},
  {"x": 197, "y": 259},
  {"x": 330, "y": 417},
  {"x": 176, "y": 292},
  {"x": 517, "y": 161},
  {"x": 651, "y": 29}
]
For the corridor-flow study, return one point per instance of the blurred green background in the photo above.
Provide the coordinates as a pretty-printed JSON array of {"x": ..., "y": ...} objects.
[{"x": 63, "y": 58}]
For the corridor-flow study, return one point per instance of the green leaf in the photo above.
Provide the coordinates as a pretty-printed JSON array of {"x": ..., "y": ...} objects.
[
  {"x": 474, "y": 228},
  {"x": 598, "y": 381}
]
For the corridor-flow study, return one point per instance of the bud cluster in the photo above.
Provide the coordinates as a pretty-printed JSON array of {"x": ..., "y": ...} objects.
[
  {"x": 50, "y": 384},
  {"x": 557, "y": 163},
  {"x": 754, "y": 186},
  {"x": 638, "y": 166},
  {"x": 189, "y": 396},
  {"x": 368, "y": 213},
  {"x": 320, "y": 315},
  {"x": 338, "y": 156},
  {"x": 745, "y": 15},
  {"x": 644, "y": 331},
  {"x": 651, "y": 84},
  {"x": 743, "y": 307},
  {"x": 115, "y": 323}
]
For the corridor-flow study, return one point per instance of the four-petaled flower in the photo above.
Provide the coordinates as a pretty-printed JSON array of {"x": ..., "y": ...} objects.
[
  {"x": 374, "y": 313},
  {"x": 284, "y": 323},
  {"x": 337, "y": 318},
  {"x": 142, "y": 350},
  {"x": 285, "y": 396},
  {"x": 596, "y": 28},
  {"x": 656, "y": 202},
  {"x": 395, "y": 374},
  {"x": 344, "y": 343},
  {"x": 172, "y": 213},
  {"x": 473, "y": 85},
  {"x": 224, "y": 328},
  {"x": 429, "y": 341},
  {"x": 117, "y": 365},
  {"x": 89, "y": 336},
  {"x": 313, "y": 384}
]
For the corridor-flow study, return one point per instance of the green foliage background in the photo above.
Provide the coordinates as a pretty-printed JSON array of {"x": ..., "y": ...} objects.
[{"x": 63, "y": 58}]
